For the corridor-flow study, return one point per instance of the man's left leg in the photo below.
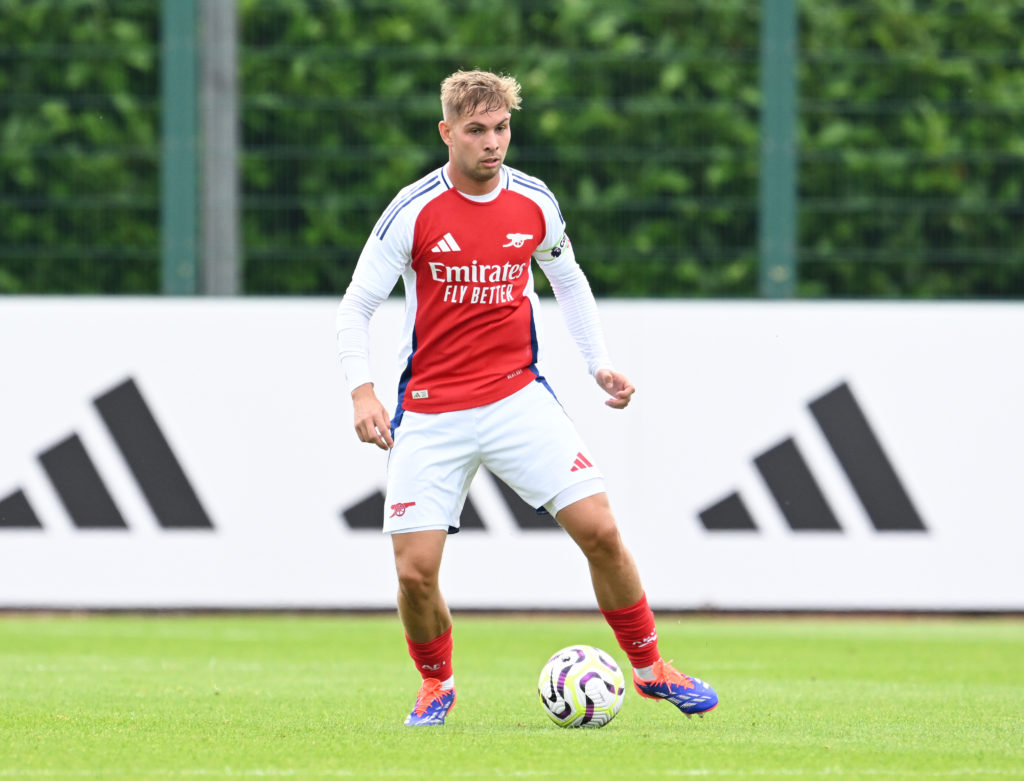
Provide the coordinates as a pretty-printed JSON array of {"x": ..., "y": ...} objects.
[{"x": 622, "y": 601}]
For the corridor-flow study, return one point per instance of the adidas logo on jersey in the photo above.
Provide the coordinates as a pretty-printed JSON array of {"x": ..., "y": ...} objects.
[
  {"x": 446, "y": 244},
  {"x": 581, "y": 462}
]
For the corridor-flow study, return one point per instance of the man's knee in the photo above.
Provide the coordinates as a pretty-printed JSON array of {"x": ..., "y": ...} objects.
[
  {"x": 591, "y": 524},
  {"x": 418, "y": 563},
  {"x": 417, "y": 579},
  {"x": 601, "y": 539}
]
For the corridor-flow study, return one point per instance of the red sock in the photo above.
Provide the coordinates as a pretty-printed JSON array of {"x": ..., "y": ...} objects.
[
  {"x": 634, "y": 629},
  {"x": 433, "y": 658}
]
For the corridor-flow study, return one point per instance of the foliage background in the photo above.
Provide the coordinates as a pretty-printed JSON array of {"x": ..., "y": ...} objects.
[{"x": 642, "y": 116}]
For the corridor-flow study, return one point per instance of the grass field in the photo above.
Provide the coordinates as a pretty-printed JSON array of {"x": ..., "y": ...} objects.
[{"x": 315, "y": 696}]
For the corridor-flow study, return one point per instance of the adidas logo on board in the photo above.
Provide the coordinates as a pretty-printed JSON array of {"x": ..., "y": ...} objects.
[
  {"x": 800, "y": 498},
  {"x": 83, "y": 492}
]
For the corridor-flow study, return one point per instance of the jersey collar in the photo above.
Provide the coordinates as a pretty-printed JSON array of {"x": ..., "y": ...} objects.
[{"x": 504, "y": 183}]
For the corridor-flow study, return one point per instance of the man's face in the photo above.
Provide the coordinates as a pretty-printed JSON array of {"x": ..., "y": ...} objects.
[{"x": 477, "y": 144}]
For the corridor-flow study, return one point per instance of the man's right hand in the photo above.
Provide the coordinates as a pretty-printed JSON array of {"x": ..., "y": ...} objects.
[{"x": 373, "y": 424}]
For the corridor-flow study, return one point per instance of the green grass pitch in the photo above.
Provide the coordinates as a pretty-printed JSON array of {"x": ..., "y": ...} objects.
[{"x": 322, "y": 696}]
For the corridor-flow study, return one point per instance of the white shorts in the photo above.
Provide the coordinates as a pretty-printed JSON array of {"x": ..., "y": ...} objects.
[{"x": 525, "y": 439}]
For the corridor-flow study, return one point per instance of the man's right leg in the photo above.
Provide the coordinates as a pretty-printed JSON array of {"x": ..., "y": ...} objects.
[
  {"x": 429, "y": 472},
  {"x": 421, "y": 607},
  {"x": 427, "y": 622}
]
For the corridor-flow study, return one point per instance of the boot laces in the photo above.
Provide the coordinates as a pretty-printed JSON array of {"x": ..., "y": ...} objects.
[
  {"x": 430, "y": 692},
  {"x": 664, "y": 672}
]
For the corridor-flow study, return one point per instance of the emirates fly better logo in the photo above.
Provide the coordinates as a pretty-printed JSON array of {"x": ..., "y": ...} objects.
[{"x": 477, "y": 283}]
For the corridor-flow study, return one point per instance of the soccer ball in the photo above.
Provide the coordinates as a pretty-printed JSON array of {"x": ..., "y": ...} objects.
[{"x": 581, "y": 686}]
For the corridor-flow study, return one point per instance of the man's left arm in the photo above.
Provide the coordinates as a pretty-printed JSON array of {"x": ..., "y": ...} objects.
[{"x": 576, "y": 300}]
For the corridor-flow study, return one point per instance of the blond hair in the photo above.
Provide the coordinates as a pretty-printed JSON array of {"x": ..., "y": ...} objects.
[{"x": 465, "y": 91}]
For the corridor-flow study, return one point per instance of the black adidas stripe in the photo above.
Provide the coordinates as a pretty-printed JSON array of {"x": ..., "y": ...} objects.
[
  {"x": 796, "y": 492},
  {"x": 84, "y": 494}
]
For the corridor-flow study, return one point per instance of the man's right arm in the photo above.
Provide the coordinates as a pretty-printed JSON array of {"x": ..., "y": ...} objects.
[
  {"x": 371, "y": 418},
  {"x": 353, "y": 329},
  {"x": 380, "y": 265}
]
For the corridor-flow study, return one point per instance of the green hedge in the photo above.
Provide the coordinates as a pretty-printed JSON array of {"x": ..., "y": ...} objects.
[
  {"x": 642, "y": 123},
  {"x": 912, "y": 155},
  {"x": 641, "y": 115},
  {"x": 79, "y": 146}
]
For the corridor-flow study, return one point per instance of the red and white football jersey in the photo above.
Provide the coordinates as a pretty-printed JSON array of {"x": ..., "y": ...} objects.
[{"x": 471, "y": 334}]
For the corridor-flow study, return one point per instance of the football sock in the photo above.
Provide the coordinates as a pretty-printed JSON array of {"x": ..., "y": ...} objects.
[
  {"x": 434, "y": 658},
  {"x": 644, "y": 673},
  {"x": 636, "y": 634}
]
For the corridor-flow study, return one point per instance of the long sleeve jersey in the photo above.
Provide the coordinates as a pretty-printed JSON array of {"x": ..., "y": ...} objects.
[{"x": 471, "y": 334}]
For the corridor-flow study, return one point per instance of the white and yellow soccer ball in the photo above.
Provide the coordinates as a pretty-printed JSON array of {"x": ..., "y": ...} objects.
[{"x": 581, "y": 686}]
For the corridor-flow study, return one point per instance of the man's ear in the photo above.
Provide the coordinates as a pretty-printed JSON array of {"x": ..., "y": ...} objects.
[{"x": 446, "y": 132}]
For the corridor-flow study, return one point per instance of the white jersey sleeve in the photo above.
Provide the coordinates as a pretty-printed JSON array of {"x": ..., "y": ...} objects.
[
  {"x": 572, "y": 291},
  {"x": 576, "y": 300},
  {"x": 384, "y": 258}
]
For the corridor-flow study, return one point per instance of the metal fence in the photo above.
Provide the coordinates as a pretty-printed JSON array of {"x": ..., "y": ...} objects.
[
  {"x": 646, "y": 118},
  {"x": 911, "y": 172},
  {"x": 79, "y": 147}
]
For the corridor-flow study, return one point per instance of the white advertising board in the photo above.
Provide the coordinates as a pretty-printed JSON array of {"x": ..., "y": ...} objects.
[{"x": 198, "y": 453}]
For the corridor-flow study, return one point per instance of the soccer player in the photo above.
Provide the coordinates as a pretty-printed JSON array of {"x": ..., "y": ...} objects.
[{"x": 462, "y": 239}]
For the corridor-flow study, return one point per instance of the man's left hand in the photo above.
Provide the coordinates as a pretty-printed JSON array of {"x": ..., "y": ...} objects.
[{"x": 615, "y": 385}]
